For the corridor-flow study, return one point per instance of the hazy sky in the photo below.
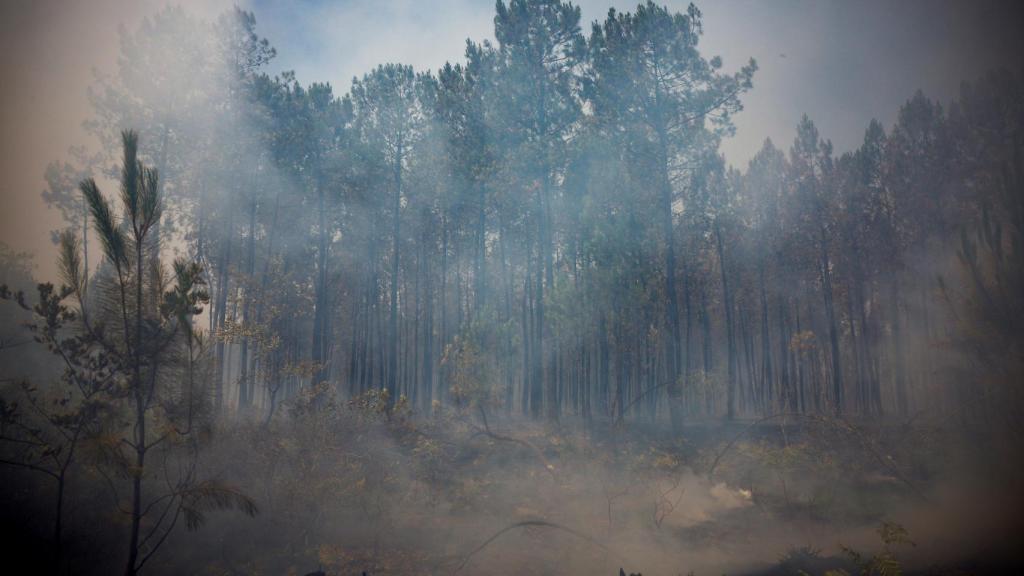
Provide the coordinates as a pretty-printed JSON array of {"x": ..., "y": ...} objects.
[{"x": 842, "y": 63}]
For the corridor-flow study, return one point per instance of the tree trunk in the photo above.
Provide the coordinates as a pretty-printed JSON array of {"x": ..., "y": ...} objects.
[
  {"x": 833, "y": 327},
  {"x": 223, "y": 281},
  {"x": 729, "y": 329},
  {"x": 395, "y": 253},
  {"x": 245, "y": 391},
  {"x": 675, "y": 395}
]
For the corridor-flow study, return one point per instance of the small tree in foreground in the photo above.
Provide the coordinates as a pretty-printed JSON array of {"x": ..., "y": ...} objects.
[
  {"x": 132, "y": 384},
  {"x": 146, "y": 324}
]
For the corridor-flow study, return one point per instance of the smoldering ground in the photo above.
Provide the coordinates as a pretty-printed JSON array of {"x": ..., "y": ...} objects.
[{"x": 351, "y": 487}]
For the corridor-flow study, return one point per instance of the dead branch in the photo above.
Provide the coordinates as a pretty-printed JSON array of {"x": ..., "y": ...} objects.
[
  {"x": 526, "y": 524},
  {"x": 486, "y": 431}
]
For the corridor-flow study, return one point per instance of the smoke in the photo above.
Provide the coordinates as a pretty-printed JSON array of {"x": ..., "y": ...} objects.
[
  {"x": 814, "y": 57},
  {"x": 353, "y": 487},
  {"x": 351, "y": 490}
]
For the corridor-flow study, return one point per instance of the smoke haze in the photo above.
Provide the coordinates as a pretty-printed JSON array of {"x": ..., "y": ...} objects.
[
  {"x": 518, "y": 315},
  {"x": 842, "y": 63}
]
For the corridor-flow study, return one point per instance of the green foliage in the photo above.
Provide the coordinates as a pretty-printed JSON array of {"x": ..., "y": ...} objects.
[
  {"x": 469, "y": 375},
  {"x": 111, "y": 236},
  {"x": 885, "y": 562},
  {"x": 188, "y": 295}
]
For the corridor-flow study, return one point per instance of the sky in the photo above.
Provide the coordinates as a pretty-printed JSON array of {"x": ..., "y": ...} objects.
[{"x": 841, "y": 63}]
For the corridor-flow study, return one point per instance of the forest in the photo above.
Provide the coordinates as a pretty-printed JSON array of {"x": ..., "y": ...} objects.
[{"x": 514, "y": 315}]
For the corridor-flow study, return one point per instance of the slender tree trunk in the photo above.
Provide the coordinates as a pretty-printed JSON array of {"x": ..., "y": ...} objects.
[
  {"x": 767, "y": 374},
  {"x": 245, "y": 391},
  {"x": 258, "y": 352},
  {"x": 442, "y": 384},
  {"x": 898, "y": 367},
  {"x": 790, "y": 397},
  {"x": 140, "y": 415},
  {"x": 395, "y": 253},
  {"x": 688, "y": 340},
  {"x": 508, "y": 356},
  {"x": 223, "y": 282},
  {"x": 537, "y": 349},
  {"x": 479, "y": 274},
  {"x": 675, "y": 395},
  {"x": 799, "y": 363},
  {"x": 729, "y": 329},
  {"x": 319, "y": 347},
  {"x": 708, "y": 346},
  {"x": 833, "y": 327},
  {"x": 604, "y": 363},
  {"x": 428, "y": 338},
  {"x": 526, "y": 315},
  {"x": 855, "y": 345}
]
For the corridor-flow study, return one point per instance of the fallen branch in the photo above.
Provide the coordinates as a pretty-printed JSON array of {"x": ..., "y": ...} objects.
[
  {"x": 741, "y": 434},
  {"x": 486, "y": 431},
  {"x": 640, "y": 396},
  {"x": 886, "y": 460},
  {"x": 837, "y": 423},
  {"x": 527, "y": 524}
]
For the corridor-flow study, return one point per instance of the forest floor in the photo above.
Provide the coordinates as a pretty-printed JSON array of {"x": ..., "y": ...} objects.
[{"x": 358, "y": 487}]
